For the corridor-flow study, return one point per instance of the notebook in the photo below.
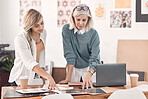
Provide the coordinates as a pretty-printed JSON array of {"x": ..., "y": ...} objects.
[{"x": 110, "y": 75}]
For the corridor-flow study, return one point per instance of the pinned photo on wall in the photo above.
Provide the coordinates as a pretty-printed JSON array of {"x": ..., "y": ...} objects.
[
  {"x": 120, "y": 19},
  {"x": 64, "y": 8},
  {"x": 141, "y": 10},
  {"x": 122, "y": 3},
  {"x": 100, "y": 10},
  {"x": 25, "y": 5}
]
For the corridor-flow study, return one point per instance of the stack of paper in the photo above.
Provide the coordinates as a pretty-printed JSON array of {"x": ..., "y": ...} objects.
[{"x": 60, "y": 86}]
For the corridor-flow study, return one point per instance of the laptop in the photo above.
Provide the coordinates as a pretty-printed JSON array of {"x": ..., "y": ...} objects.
[{"x": 110, "y": 75}]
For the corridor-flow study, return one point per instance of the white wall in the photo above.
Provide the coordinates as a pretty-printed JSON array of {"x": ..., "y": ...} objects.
[
  {"x": 9, "y": 21},
  {"x": 110, "y": 36},
  {"x": 0, "y": 23},
  {"x": 0, "y": 31},
  {"x": 54, "y": 40},
  {"x": 54, "y": 50}
]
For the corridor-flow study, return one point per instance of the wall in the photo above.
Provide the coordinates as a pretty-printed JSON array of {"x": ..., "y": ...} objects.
[
  {"x": 0, "y": 23},
  {"x": 0, "y": 31},
  {"x": 54, "y": 40},
  {"x": 9, "y": 21},
  {"x": 109, "y": 36},
  {"x": 54, "y": 50}
]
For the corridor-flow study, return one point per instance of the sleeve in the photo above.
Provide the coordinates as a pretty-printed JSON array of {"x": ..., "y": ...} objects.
[
  {"x": 68, "y": 50},
  {"x": 95, "y": 52},
  {"x": 25, "y": 53}
]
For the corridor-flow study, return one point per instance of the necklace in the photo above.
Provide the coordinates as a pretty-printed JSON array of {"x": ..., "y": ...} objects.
[{"x": 39, "y": 42}]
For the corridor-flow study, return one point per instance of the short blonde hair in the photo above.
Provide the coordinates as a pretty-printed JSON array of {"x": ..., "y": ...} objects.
[
  {"x": 89, "y": 24},
  {"x": 31, "y": 18}
]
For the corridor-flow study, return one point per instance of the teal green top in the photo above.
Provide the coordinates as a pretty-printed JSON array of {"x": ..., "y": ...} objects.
[{"x": 81, "y": 50}]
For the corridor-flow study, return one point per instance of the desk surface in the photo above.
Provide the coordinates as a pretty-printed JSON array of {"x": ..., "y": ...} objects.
[{"x": 99, "y": 96}]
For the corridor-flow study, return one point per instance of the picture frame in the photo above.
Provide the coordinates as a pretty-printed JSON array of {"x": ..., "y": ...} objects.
[{"x": 140, "y": 17}]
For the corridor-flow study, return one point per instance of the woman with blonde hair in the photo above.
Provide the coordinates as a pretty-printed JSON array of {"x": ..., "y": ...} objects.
[
  {"x": 30, "y": 51},
  {"x": 81, "y": 46}
]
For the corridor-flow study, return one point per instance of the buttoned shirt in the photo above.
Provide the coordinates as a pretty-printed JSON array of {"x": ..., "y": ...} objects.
[
  {"x": 79, "y": 31},
  {"x": 24, "y": 60}
]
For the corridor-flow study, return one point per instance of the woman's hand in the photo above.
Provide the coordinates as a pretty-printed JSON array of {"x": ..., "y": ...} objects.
[
  {"x": 87, "y": 81},
  {"x": 51, "y": 84},
  {"x": 68, "y": 75}
]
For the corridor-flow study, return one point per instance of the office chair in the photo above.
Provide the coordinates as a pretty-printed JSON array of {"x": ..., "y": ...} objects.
[{"x": 132, "y": 93}]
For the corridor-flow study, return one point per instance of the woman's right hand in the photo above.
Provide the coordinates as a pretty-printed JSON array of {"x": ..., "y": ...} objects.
[{"x": 51, "y": 84}]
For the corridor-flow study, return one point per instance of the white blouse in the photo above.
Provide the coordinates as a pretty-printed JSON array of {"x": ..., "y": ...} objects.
[{"x": 24, "y": 60}]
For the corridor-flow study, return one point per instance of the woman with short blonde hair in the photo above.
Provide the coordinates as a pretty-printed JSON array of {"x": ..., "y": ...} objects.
[
  {"x": 81, "y": 46},
  {"x": 30, "y": 51},
  {"x": 89, "y": 24}
]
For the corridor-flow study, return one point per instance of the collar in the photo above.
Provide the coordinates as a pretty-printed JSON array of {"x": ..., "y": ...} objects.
[{"x": 79, "y": 31}]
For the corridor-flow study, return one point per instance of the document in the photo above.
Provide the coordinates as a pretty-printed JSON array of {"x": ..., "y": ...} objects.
[
  {"x": 60, "y": 86},
  {"x": 142, "y": 88},
  {"x": 58, "y": 96}
]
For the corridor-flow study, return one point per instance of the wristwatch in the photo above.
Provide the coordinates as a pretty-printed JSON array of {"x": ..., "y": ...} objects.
[{"x": 91, "y": 72}]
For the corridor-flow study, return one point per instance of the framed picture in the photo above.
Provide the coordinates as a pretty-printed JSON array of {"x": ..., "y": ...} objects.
[{"x": 141, "y": 16}]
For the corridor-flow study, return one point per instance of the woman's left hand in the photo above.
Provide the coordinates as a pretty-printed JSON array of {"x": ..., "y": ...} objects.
[{"x": 87, "y": 81}]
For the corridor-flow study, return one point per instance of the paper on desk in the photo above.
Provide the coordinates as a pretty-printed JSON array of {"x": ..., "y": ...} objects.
[
  {"x": 142, "y": 87},
  {"x": 60, "y": 86},
  {"x": 58, "y": 96}
]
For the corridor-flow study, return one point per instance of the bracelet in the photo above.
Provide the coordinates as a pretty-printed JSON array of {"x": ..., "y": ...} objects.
[{"x": 91, "y": 72}]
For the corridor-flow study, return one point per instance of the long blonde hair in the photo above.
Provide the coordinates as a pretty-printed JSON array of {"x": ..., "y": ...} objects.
[
  {"x": 89, "y": 24},
  {"x": 31, "y": 18}
]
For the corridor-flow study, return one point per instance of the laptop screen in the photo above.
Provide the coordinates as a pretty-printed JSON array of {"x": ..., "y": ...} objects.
[{"x": 111, "y": 74}]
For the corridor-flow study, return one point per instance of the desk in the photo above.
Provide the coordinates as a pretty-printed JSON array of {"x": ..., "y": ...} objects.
[{"x": 110, "y": 90}]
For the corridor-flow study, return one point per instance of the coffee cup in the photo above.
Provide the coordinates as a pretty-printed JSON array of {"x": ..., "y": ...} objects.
[
  {"x": 23, "y": 82},
  {"x": 134, "y": 79}
]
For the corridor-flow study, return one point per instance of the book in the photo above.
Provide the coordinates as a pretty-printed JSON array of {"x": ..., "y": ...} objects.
[{"x": 74, "y": 84}]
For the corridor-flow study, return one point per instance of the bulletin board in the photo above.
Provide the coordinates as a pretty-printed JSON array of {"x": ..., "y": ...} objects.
[{"x": 135, "y": 54}]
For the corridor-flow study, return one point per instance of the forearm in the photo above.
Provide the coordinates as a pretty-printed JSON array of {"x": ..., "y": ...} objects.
[
  {"x": 69, "y": 72},
  {"x": 41, "y": 72}
]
